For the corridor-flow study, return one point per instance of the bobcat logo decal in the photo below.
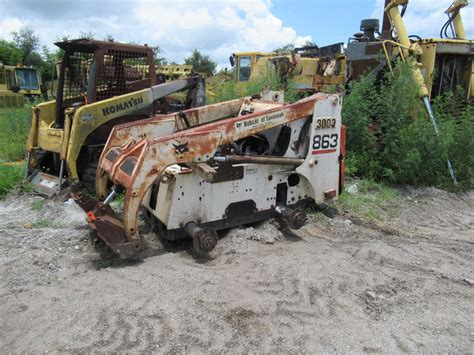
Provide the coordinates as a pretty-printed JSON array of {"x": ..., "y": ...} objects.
[{"x": 180, "y": 149}]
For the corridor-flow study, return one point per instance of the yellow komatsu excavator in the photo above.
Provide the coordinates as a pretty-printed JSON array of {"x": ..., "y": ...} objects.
[{"x": 100, "y": 84}]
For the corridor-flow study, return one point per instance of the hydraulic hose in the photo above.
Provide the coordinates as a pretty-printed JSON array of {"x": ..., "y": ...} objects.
[{"x": 426, "y": 100}]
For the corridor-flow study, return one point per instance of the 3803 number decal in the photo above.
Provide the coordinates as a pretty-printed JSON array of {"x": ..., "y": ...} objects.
[
  {"x": 323, "y": 123},
  {"x": 325, "y": 143}
]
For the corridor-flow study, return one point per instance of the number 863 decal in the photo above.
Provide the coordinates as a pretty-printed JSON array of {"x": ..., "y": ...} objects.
[{"x": 325, "y": 143}]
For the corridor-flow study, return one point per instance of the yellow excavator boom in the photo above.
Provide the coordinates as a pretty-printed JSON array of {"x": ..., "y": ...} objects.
[{"x": 453, "y": 10}]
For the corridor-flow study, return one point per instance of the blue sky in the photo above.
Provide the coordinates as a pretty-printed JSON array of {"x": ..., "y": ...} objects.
[
  {"x": 326, "y": 22},
  {"x": 215, "y": 27}
]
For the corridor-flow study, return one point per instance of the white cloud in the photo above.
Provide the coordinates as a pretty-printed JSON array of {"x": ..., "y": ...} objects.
[
  {"x": 9, "y": 25},
  {"x": 215, "y": 28},
  {"x": 426, "y": 17}
]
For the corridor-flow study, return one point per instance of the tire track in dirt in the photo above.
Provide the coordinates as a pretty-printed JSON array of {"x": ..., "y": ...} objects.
[{"x": 123, "y": 329}]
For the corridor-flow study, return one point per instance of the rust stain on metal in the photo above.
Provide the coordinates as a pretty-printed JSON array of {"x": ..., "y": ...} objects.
[{"x": 137, "y": 167}]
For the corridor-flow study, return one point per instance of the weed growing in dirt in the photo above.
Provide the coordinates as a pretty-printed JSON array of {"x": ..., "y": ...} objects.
[
  {"x": 38, "y": 205},
  {"x": 390, "y": 137},
  {"x": 372, "y": 200},
  {"x": 46, "y": 223},
  {"x": 317, "y": 217},
  {"x": 117, "y": 203}
]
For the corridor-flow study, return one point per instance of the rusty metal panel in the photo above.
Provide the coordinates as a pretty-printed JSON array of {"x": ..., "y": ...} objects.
[{"x": 196, "y": 144}]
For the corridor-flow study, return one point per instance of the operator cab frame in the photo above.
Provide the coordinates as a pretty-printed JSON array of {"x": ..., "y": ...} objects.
[
  {"x": 244, "y": 63},
  {"x": 93, "y": 70}
]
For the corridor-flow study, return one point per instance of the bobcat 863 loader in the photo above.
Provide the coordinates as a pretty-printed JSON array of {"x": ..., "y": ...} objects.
[
  {"x": 215, "y": 167},
  {"x": 100, "y": 84}
]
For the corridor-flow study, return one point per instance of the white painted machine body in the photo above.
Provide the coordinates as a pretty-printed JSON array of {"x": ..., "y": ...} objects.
[{"x": 252, "y": 192}]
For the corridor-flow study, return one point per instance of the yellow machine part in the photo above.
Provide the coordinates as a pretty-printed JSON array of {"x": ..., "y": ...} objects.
[
  {"x": 457, "y": 22},
  {"x": 10, "y": 99},
  {"x": 253, "y": 57},
  {"x": 9, "y": 77},
  {"x": 428, "y": 60},
  {"x": 79, "y": 124},
  {"x": 308, "y": 74},
  {"x": 175, "y": 71}
]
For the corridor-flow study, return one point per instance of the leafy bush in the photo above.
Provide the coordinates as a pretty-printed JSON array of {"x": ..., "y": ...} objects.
[
  {"x": 229, "y": 89},
  {"x": 391, "y": 138}
]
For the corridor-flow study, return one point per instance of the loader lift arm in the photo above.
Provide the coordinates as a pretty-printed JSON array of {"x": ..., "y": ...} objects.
[{"x": 135, "y": 166}]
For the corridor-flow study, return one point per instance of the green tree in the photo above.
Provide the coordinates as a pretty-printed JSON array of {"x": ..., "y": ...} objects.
[
  {"x": 201, "y": 63},
  {"x": 9, "y": 53},
  {"x": 291, "y": 47},
  {"x": 26, "y": 40},
  {"x": 286, "y": 48},
  {"x": 87, "y": 35},
  {"x": 158, "y": 56},
  {"x": 309, "y": 44},
  {"x": 49, "y": 61},
  {"x": 109, "y": 37}
]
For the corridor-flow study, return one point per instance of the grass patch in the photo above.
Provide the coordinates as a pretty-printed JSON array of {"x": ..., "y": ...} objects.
[
  {"x": 38, "y": 205},
  {"x": 49, "y": 280},
  {"x": 46, "y": 223},
  {"x": 373, "y": 200},
  {"x": 14, "y": 127},
  {"x": 10, "y": 177}
]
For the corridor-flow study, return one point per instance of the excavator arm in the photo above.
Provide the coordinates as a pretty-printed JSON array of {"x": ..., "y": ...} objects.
[{"x": 454, "y": 14}]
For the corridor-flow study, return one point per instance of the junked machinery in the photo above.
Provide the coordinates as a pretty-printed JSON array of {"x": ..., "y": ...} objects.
[
  {"x": 99, "y": 84},
  {"x": 439, "y": 65},
  {"x": 312, "y": 69},
  {"x": 18, "y": 82},
  {"x": 215, "y": 167}
]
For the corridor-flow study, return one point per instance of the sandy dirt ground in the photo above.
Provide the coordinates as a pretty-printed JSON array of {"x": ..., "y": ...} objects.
[{"x": 336, "y": 285}]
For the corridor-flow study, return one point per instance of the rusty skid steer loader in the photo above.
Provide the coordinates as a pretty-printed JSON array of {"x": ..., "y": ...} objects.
[
  {"x": 216, "y": 167},
  {"x": 99, "y": 84}
]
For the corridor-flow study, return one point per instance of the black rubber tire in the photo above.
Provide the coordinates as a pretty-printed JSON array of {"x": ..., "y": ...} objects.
[{"x": 88, "y": 175}]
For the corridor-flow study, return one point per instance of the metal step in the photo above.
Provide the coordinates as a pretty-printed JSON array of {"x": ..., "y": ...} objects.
[{"x": 46, "y": 184}]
